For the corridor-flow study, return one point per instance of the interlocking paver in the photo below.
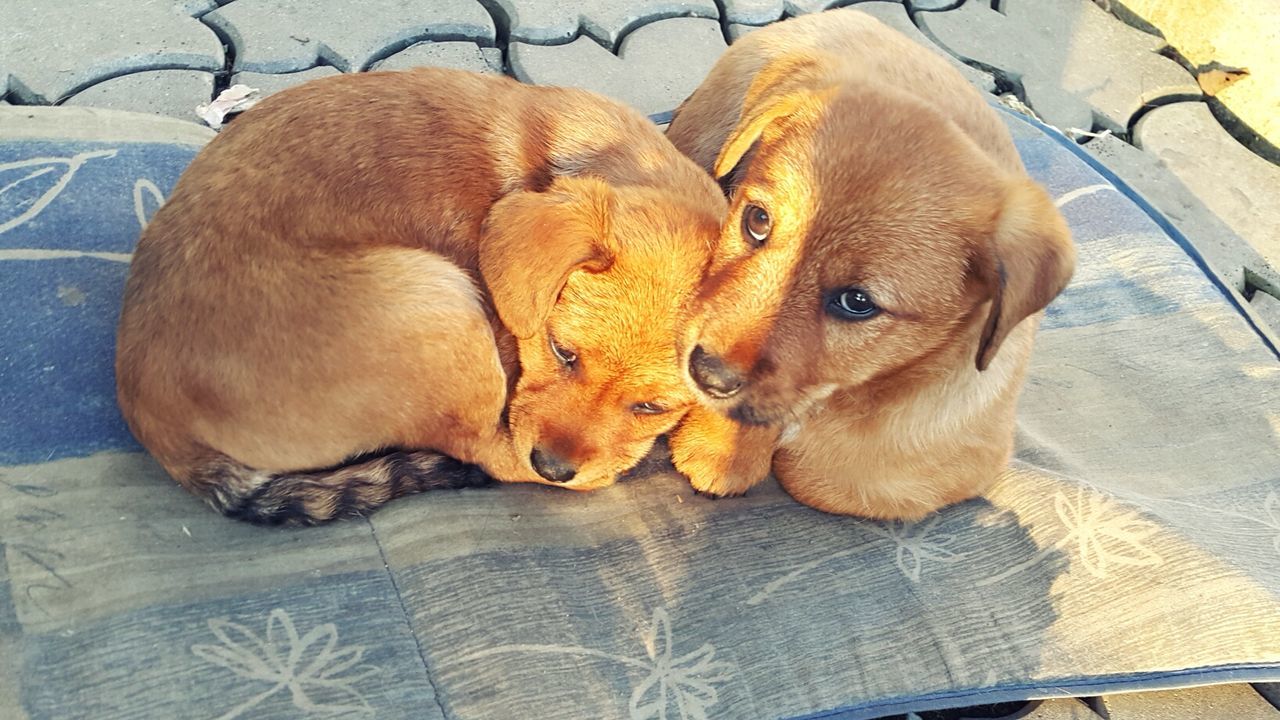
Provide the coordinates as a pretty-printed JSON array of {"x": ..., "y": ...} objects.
[
  {"x": 737, "y": 31},
  {"x": 268, "y": 84},
  {"x": 1237, "y": 702},
  {"x": 1268, "y": 306},
  {"x": 763, "y": 12},
  {"x": 47, "y": 61},
  {"x": 1239, "y": 187},
  {"x": 1227, "y": 252},
  {"x": 174, "y": 93},
  {"x": 895, "y": 15},
  {"x": 558, "y": 21},
  {"x": 1061, "y": 709},
  {"x": 753, "y": 12},
  {"x": 933, "y": 5},
  {"x": 1077, "y": 64},
  {"x": 801, "y": 7},
  {"x": 280, "y": 36},
  {"x": 656, "y": 68},
  {"x": 461, "y": 55}
]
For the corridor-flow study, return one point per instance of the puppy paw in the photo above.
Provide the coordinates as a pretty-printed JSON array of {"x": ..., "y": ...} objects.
[
  {"x": 710, "y": 495},
  {"x": 713, "y": 479},
  {"x": 720, "y": 457}
]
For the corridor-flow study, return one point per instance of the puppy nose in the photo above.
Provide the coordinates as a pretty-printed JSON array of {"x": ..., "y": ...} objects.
[
  {"x": 712, "y": 375},
  {"x": 551, "y": 467}
]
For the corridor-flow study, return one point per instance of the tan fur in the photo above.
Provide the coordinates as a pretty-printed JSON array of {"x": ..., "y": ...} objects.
[
  {"x": 378, "y": 261},
  {"x": 881, "y": 169}
]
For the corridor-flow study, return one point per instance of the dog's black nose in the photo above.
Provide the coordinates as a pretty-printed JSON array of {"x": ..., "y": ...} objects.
[
  {"x": 712, "y": 375},
  {"x": 551, "y": 467}
]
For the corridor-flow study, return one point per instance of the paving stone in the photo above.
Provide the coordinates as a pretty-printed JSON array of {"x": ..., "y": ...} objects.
[
  {"x": 1214, "y": 702},
  {"x": 461, "y": 55},
  {"x": 753, "y": 12},
  {"x": 763, "y": 12},
  {"x": 656, "y": 68},
  {"x": 803, "y": 7},
  {"x": 47, "y": 59},
  {"x": 281, "y": 36},
  {"x": 1227, "y": 252},
  {"x": 895, "y": 16},
  {"x": 269, "y": 84},
  {"x": 1061, "y": 709},
  {"x": 737, "y": 31},
  {"x": 558, "y": 21},
  {"x": 174, "y": 93},
  {"x": 933, "y": 5},
  {"x": 1077, "y": 64},
  {"x": 1232, "y": 33},
  {"x": 1236, "y": 185},
  {"x": 1268, "y": 307}
]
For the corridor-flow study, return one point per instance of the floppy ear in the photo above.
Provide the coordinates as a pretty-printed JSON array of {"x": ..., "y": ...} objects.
[
  {"x": 531, "y": 242},
  {"x": 781, "y": 89},
  {"x": 1029, "y": 262}
]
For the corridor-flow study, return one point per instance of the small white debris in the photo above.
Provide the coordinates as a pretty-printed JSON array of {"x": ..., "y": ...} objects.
[
  {"x": 185, "y": 531},
  {"x": 1074, "y": 133},
  {"x": 234, "y": 99},
  {"x": 1012, "y": 102}
]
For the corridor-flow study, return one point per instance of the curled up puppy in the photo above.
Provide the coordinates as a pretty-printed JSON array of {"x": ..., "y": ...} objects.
[
  {"x": 381, "y": 283},
  {"x": 868, "y": 334}
]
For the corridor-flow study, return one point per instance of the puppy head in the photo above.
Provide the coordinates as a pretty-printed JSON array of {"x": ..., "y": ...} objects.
[
  {"x": 872, "y": 234},
  {"x": 597, "y": 284}
]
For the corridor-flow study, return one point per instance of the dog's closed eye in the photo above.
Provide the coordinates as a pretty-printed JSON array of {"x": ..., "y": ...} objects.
[{"x": 648, "y": 408}]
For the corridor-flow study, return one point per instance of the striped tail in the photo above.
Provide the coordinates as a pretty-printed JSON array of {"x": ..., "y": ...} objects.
[{"x": 355, "y": 488}]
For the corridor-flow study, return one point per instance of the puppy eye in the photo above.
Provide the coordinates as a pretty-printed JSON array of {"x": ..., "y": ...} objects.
[
  {"x": 756, "y": 225},
  {"x": 647, "y": 408},
  {"x": 566, "y": 357},
  {"x": 852, "y": 304}
]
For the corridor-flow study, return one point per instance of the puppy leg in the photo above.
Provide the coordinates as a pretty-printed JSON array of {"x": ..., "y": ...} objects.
[
  {"x": 719, "y": 456},
  {"x": 826, "y": 470}
]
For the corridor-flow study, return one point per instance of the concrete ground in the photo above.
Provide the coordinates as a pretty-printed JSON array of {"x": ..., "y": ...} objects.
[{"x": 1125, "y": 95}]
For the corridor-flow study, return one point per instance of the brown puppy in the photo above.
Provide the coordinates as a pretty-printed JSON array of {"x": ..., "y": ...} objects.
[
  {"x": 335, "y": 274},
  {"x": 893, "y": 259}
]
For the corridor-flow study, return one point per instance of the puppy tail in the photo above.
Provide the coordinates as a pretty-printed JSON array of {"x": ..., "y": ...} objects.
[{"x": 352, "y": 489}]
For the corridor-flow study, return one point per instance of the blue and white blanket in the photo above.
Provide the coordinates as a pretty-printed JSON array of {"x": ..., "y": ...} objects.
[{"x": 1134, "y": 543}]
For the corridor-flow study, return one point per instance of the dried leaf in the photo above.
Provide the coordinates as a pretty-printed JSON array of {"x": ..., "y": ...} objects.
[{"x": 1215, "y": 80}]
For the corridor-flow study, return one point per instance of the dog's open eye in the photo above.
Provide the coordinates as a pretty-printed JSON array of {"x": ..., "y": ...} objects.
[
  {"x": 647, "y": 408},
  {"x": 852, "y": 304},
  {"x": 566, "y": 356},
  {"x": 756, "y": 225}
]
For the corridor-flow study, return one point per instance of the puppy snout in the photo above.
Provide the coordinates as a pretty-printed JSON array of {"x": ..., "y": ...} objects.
[
  {"x": 552, "y": 467},
  {"x": 715, "y": 377}
]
